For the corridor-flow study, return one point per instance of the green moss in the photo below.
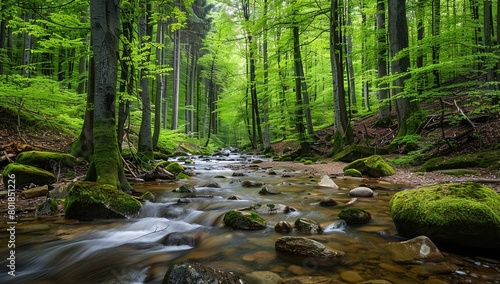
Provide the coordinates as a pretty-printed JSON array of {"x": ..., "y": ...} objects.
[
  {"x": 373, "y": 166},
  {"x": 24, "y": 175},
  {"x": 355, "y": 216},
  {"x": 459, "y": 172},
  {"x": 89, "y": 200},
  {"x": 147, "y": 196},
  {"x": 49, "y": 206},
  {"x": 182, "y": 176},
  {"x": 308, "y": 162},
  {"x": 162, "y": 164},
  {"x": 462, "y": 213},
  {"x": 353, "y": 173},
  {"x": 175, "y": 168},
  {"x": 244, "y": 220},
  {"x": 162, "y": 156},
  {"x": 46, "y": 160},
  {"x": 488, "y": 159}
]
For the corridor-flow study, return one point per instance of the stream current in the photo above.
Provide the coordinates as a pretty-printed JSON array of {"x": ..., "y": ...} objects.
[{"x": 140, "y": 250}]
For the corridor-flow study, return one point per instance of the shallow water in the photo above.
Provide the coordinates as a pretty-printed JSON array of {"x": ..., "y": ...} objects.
[{"x": 53, "y": 249}]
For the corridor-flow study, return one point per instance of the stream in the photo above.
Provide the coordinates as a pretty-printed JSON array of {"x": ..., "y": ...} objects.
[{"x": 140, "y": 250}]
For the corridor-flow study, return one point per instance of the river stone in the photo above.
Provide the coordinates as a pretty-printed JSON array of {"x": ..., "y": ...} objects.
[
  {"x": 306, "y": 247},
  {"x": 35, "y": 192},
  {"x": 49, "y": 206},
  {"x": 466, "y": 214},
  {"x": 263, "y": 277},
  {"x": 25, "y": 175},
  {"x": 248, "y": 183},
  {"x": 351, "y": 276},
  {"x": 327, "y": 201},
  {"x": 185, "y": 188},
  {"x": 355, "y": 216},
  {"x": 271, "y": 208},
  {"x": 283, "y": 227},
  {"x": 245, "y": 220},
  {"x": 46, "y": 160},
  {"x": 361, "y": 191},
  {"x": 211, "y": 184},
  {"x": 267, "y": 191},
  {"x": 89, "y": 200},
  {"x": 373, "y": 166},
  {"x": 306, "y": 225},
  {"x": 327, "y": 182},
  {"x": 415, "y": 250},
  {"x": 188, "y": 272},
  {"x": 430, "y": 269}
]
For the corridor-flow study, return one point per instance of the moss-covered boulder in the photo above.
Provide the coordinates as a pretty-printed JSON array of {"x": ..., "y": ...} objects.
[
  {"x": 355, "y": 216},
  {"x": 46, "y": 160},
  {"x": 25, "y": 175},
  {"x": 306, "y": 225},
  {"x": 89, "y": 200},
  {"x": 487, "y": 159},
  {"x": 245, "y": 220},
  {"x": 355, "y": 152},
  {"x": 174, "y": 168},
  {"x": 353, "y": 173},
  {"x": 373, "y": 166},
  {"x": 465, "y": 214}
]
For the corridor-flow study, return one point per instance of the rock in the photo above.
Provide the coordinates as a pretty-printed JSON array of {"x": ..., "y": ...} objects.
[
  {"x": 248, "y": 183},
  {"x": 267, "y": 191},
  {"x": 271, "y": 172},
  {"x": 327, "y": 201},
  {"x": 235, "y": 181},
  {"x": 355, "y": 216},
  {"x": 35, "y": 192},
  {"x": 60, "y": 190},
  {"x": 49, "y": 206},
  {"x": 429, "y": 269},
  {"x": 361, "y": 192},
  {"x": 327, "y": 182},
  {"x": 283, "y": 227},
  {"x": 306, "y": 225},
  {"x": 89, "y": 200},
  {"x": 373, "y": 166},
  {"x": 183, "y": 201},
  {"x": 233, "y": 197},
  {"x": 353, "y": 173},
  {"x": 188, "y": 272},
  {"x": 310, "y": 280},
  {"x": 185, "y": 188},
  {"x": 25, "y": 175},
  {"x": 46, "y": 160},
  {"x": 263, "y": 277},
  {"x": 245, "y": 220},
  {"x": 466, "y": 214},
  {"x": 174, "y": 168},
  {"x": 375, "y": 281},
  {"x": 237, "y": 174},
  {"x": 147, "y": 196},
  {"x": 351, "y": 276},
  {"x": 306, "y": 247},
  {"x": 415, "y": 250},
  {"x": 271, "y": 208},
  {"x": 211, "y": 184}
]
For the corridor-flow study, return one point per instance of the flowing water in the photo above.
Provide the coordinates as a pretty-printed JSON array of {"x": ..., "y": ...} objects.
[{"x": 56, "y": 250}]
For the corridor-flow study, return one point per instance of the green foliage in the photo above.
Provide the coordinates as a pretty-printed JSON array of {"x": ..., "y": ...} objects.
[{"x": 487, "y": 159}]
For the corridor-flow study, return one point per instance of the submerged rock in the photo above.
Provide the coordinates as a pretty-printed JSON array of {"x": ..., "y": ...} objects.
[
  {"x": 306, "y": 225},
  {"x": 185, "y": 188},
  {"x": 25, "y": 175},
  {"x": 465, "y": 214},
  {"x": 306, "y": 247},
  {"x": 355, "y": 216},
  {"x": 270, "y": 208},
  {"x": 327, "y": 201},
  {"x": 415, "y": 250},
  {"x": 188, "y": 272},
  {"x": 89, "y": 200},
  {"x": 373, "y": 166},
  {"x": 283, "y": 227},
  {"x": 267, "y": 191},
  {"x": 327, "y": 182},
  {"x": 245, "y": 220},
  {"x": 248, "y": 183}
]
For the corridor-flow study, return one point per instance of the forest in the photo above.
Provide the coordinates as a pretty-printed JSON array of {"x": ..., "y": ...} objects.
[{"x": 165, "y": 115}]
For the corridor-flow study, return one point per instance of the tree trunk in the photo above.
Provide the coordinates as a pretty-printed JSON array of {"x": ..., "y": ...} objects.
[
  {"x": 127, "y": 79},
  {"x": 299, "y": 113},
  {"x": 265, "y": 100},
  {"x": 384, "y": 113},
  {"x": 407, "y": 108},
  {"x": 436, "y": 29},
  {"x": 106, "y": 166},
  {"x": 28, "y": 46},
  {"x": 160, "y": 83},
  {"x": 176, "y": 83}
]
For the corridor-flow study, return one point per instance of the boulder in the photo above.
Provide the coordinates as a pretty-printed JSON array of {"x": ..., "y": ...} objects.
[
  {"x": 35, "y": 192},
  {"x": 24, "y": 175},
  {"x": 283, "y": 227},
  {"x": 245, "y": 220},
  {"x": 267, "y": 191},
  {"x": 327, "y": 182},
  {"x": 306, "y": 225},
  {"x": 466, "y": 214},
  {"x": 188, "y": 272},
  {"x": 270, "y": 208},
  {"x": 353, "y": 173},
  {"x": 185, "y": 188},
  {"x": 248, "y": 183},
  {"x": 373, "y": 166},
  {"x": 89, "y": 200},
  {"x": 174, "y": 168},
  {"x": 46, "y": 160},
  {"x": 416, "y": 250},
  {"x": 361, "y": 191},
  {"x": 306, "y": 247},
  {"x": 327, "y": 201},
  {"x": 355, "y": 216},
  {"x": 211, "y": 184},
  {"x": 49, "y": 206}
]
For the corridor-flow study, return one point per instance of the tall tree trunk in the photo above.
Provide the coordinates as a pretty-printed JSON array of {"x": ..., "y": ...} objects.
[
  {"x": 436, "y": 29},
  {"x": 420, "y": 14},
  {"x": 106, "y": 166},
  {"x": 265, "y": 100},
  {"x": 160, "y": 83},
  {"x": 299, "y": 113},
  {"x": 384, "y": 113},
  {"x": 176, "y": 82},
  {"x": 407, "y": 107},
  {"x": 350, "y": 66},
  {"x": 145, "y": 145},
  {"x": 127, "y": 75},
  {"x": 488, "y": 31},
  {"x": 341, "y": 126},
  {"x": 28, "y": 46},
  {"x": 3, "y": 36}
]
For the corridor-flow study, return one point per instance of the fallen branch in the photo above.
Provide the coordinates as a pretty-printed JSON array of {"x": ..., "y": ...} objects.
[{"x": 465, "y": 116}]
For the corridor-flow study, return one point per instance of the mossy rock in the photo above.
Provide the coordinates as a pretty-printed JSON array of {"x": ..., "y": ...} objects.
[
  {"x": 182, "y": 176},
  {"x": 175, "y": 168},
  {"x": 46, "y": 160},
  {"x": 245, "y": 220},
  {"x": 147, "y": 196},
  {"x": 355, "y": 216},
  {"x": 488, "y": 159},
  {"x": 87, "y": 201},
  {"x": 161, "y": 156},
  {"x": 373, "y": 166},
  {"x": 353, "y": 173},
  {"x": 162, "y": 164},
  {"x": 466, "y": 214},
  {"x": 185, "y": 188},
  {"x": 306, "y": 225},
  {"x": 25, "y": 175},
  {"x": 355, "y": 152},
  {"x": 49, "y": 206}
]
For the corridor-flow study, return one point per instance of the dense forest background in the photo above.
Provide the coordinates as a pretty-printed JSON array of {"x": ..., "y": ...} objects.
[{"x": 251, "y": 73}]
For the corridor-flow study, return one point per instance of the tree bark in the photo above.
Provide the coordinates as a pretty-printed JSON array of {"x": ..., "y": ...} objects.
[{"x": 384, "y": 114}]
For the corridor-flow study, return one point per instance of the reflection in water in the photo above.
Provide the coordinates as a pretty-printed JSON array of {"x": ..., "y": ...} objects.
[{"x": 51, "y": 250}]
